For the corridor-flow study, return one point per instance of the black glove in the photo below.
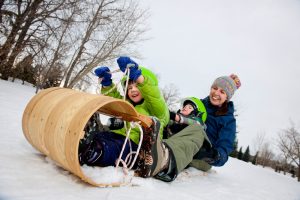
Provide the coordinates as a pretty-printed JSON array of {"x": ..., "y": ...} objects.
[
  {"x": 210, "y": 155},
  {"x": 172, "y": 115},
  {"x": 115, "y": 123}
]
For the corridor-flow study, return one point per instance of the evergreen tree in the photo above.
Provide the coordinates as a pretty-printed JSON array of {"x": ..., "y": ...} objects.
[
  {"x": 240, "y": 154},
  {"x": 255, "y": 159},
  {"x": 234, "y": 153},
  {"x": 246, "y": 156}
]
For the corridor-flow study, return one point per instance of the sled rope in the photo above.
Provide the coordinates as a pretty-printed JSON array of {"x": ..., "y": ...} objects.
[
  {"x": 128, "y": 158},
  {"x": 128, "y": 162},
  {"x": 127, "y": 71}
]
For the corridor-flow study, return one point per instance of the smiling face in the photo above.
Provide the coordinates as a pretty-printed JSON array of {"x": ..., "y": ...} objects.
[
  {"x": 187, "y": 109},
  {"x": 134, "y": 93},
  {"x": 217, "y": 96}
]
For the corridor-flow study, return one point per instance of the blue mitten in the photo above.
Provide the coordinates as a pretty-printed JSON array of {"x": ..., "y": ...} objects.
[
  {"x": 105, "y": 75},
  {"x": 125, "y": 62},
  {"x": 134, "y": 73}
]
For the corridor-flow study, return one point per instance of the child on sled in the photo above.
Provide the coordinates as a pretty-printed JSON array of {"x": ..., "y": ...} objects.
[{"x": 103, "y": 148}]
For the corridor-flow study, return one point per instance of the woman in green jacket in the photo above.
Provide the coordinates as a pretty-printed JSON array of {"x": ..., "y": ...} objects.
[{"x": 144, "y": 94}]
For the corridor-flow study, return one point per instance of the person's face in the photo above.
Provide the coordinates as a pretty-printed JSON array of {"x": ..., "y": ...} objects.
[
  {"x": 134, "y": 93},
  {"x": 187, "y": 109},
  {"x": 217, "y": 96}
]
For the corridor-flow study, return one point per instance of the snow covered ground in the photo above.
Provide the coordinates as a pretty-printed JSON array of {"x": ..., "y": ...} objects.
[{"x": 26, "y": 174}]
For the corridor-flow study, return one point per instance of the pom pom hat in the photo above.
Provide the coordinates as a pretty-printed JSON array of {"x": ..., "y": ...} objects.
[{"x": 228, "y": 83}]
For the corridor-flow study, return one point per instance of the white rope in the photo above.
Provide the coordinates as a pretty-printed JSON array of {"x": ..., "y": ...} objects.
[
  {"x": 127, "y": 71},
  {"x": 123, "y": 147},
  {"x": 132, "y": 125},
  {"x": 128, "y": 160},
  {"x": 138, "y": 148}
]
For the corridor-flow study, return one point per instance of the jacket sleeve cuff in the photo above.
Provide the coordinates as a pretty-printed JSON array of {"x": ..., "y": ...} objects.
[{"x": 172, "y": 116}]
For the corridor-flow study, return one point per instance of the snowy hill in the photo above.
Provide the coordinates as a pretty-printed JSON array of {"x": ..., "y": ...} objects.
[{"x": 26, "y": 174}]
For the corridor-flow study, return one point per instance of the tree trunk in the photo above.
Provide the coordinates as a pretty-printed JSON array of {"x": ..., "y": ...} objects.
[
  {"x": 298, "y": 173},
  {"x": 86, "y": 38},
  {"x": 6, "y": 60}
]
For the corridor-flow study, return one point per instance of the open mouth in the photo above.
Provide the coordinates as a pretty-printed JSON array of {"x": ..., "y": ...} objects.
[
  {"x": 134, "y": 95},
  {"x": 216, "y": 98}
]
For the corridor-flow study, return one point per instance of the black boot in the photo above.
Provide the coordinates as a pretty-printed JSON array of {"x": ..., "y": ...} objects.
[
  {"x": 90, "y": 152},
  {"x": 170, "y": 172}
]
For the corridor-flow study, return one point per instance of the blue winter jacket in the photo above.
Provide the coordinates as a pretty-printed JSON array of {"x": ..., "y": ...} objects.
[{"x": 220, "y": 130}]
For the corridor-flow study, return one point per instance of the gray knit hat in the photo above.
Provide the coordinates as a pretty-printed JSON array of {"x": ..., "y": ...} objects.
[{"x": 228, "y": 83}]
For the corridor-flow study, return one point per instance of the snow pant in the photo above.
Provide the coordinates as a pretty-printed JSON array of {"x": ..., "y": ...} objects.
[
  {"x": 185, "y": 144},
  {"x": 112, "y": 144}
]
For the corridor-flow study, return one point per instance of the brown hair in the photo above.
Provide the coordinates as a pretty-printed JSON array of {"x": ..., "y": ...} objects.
[
  {"x": 223, "y": 109},
  {"x": 127, "y": 96}
]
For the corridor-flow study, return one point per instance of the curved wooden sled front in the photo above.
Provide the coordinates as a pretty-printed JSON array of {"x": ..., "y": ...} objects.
[{"x": 54, "y": 120}]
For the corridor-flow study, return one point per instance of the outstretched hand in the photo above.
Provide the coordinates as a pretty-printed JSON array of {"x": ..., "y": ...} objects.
[
  {"x": 104, "y": 74},
  {"x": 126, "y": 62}
]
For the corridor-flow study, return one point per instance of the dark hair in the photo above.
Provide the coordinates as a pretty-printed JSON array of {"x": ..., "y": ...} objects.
[
  {"x": 129, "y": 82},
  {"x": 127, "y": 96},
  {"x": 223, "y": 109},
  {"x": 195, "y": 109}
]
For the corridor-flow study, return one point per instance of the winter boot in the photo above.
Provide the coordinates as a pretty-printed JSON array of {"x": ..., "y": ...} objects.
[
  {"x": 169, "y": 173},
  {"x": 90, "y": 150},
  {"x": 86, "y": 140},
  {"x": 154, "y": 155}
]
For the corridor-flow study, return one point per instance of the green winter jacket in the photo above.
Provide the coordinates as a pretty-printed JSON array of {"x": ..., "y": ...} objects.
[{"x": 153, "y": 104}]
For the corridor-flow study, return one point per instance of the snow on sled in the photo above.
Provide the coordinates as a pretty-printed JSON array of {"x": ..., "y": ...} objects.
[{"x": 54, "y": 121}]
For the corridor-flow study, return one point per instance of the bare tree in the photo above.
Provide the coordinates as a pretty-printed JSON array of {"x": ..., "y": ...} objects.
[
  {"x": 266, "y": 155},
  {"x": 110, "y": 28},
  {"x": 282, "y": 163},
  {"x": 258, "y": 141},
  {"x": 69, "y": 34},
  {"x": 24, "y": 70},
  {"x": 171, "y": 95},
  {"x": 289, "y": 145},
  {"x": 23, "y": 25},
  {"x": 54, "y": 51},
  {"x": 263, "y": 150}
]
